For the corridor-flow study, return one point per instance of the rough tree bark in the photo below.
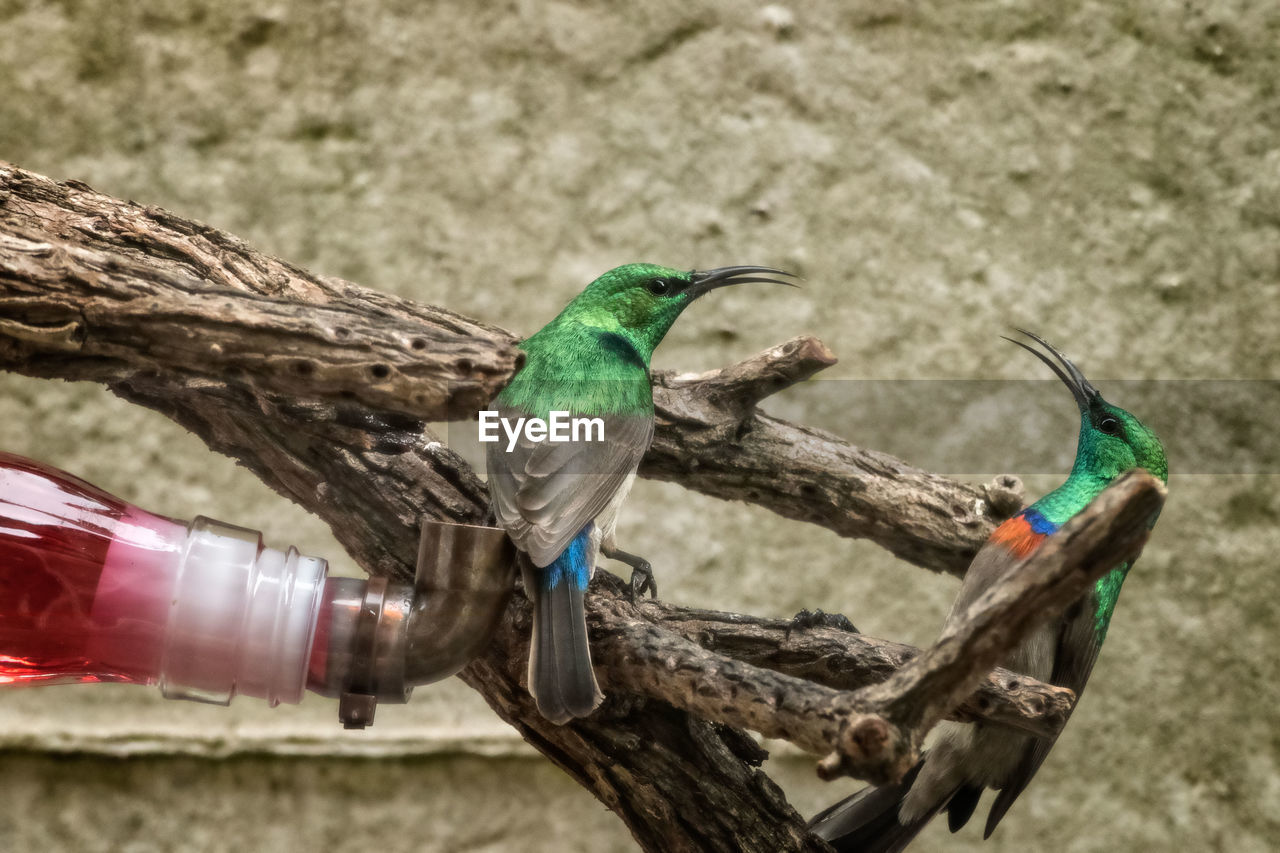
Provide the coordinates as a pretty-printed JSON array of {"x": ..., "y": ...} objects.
[{"x": 322, "y": 389}]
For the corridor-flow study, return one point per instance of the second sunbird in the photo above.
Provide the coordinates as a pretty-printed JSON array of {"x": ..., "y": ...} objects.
[
  {"x": 558, "y": 500},
  {"x": 966, "y": 759}
]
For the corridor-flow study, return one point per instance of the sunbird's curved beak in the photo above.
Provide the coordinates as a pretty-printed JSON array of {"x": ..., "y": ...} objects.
[
  {"x": 1068, "y": 372},
  {"x": 704, "y": 281}
]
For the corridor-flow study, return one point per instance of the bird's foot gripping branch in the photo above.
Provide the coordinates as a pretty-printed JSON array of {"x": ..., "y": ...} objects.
[{"x": 321, "y": 388}]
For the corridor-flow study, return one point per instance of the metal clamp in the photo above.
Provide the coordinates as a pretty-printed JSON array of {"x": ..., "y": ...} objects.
[
  {"x": 376, "y": 670},
  {"x": 358, "y": 702}
]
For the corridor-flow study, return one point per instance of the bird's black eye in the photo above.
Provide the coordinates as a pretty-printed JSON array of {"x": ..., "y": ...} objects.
[
  {"x": 659, "y": 287},
  {"x": 1109, "y": 425}
]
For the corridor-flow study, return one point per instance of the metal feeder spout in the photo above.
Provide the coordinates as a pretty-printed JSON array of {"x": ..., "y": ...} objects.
[
  {"x": 464, "y": 579},
  {"x": 386, "y": 638}
]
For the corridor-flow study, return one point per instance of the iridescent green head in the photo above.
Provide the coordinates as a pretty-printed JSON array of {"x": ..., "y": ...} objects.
[
  {"x": 1112, "y": 440},
  {"x": 641, "y": 301}
]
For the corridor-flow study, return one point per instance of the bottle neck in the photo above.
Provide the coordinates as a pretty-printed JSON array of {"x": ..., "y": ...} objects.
[{"x": 241, "y": 619}]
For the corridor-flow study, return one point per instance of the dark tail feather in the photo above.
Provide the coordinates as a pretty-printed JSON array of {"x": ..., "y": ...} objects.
[
  {"x": 1032, "y": 757},
  {"x": 867, "y": 822},
  {"x": 560, "y": 675},
  {"x": 961, "y": 807}
]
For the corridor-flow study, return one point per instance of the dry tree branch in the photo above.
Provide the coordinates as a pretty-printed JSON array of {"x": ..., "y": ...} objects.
[
  {"x": 712, "y": 439},
  {"x": 848, "y": 661},
  {"x": 96, "y": 288},
  {"x": 321, "y": 388}
]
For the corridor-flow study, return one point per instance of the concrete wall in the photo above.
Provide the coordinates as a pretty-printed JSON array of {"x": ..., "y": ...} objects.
[{"x": 1105, "y": 173}]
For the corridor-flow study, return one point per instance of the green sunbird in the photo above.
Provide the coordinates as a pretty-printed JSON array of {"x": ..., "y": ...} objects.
[
  {"x": 558, "y": 500},
  {"x": 967, "y": 759}
]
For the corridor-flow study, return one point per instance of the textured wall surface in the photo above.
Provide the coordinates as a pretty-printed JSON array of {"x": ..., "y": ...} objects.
[{"x": 1106, "y": 173}]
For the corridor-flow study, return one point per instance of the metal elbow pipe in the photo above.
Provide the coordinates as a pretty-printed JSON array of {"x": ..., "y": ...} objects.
[
  {"x": 385, "y": 638},
  {"x": 463, "y": 582}
]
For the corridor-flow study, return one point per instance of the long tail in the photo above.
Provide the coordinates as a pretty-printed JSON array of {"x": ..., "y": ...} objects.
[
  {"x": 868, "y": 821},
  {"x": 560, "y": 675}
]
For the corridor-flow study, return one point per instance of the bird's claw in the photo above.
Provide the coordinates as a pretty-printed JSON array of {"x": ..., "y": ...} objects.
[
  {"x": 806, "y": 619},
  {"x": 642, "y": 581}
]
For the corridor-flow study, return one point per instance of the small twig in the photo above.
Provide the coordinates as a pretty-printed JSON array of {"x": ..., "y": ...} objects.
[
  {"x": 735, "y": 390},
  {"x": 739, "y": 453}
]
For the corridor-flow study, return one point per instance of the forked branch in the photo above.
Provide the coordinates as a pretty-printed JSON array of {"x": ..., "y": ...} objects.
[{"x": 321, "y": 388}]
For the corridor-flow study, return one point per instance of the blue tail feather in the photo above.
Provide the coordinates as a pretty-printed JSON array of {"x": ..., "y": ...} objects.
[{"x": 573, "y": 566}]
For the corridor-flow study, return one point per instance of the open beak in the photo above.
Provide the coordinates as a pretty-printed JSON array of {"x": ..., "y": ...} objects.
[
  {"x": 1068, "y": 372},
  {"x": 704, "y": 281}
]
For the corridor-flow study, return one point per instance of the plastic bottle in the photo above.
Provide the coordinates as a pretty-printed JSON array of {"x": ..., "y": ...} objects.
[{"x": 93, "y": 589}]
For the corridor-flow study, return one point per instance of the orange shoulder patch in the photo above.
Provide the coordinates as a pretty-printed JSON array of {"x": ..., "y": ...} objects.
[{"x": 1017, "y": 536}]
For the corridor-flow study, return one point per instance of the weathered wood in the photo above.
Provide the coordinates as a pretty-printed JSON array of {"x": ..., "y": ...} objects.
[
  {"x": 109, "y": 289},
  {"x": 848, "y": 661}
]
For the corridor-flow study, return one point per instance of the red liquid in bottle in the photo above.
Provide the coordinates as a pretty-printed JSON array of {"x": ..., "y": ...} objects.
[{"x": 84, "y": 580}]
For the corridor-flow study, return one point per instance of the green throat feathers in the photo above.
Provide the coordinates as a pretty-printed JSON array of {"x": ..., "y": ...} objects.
[{"x": 1112, "y": 441}]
